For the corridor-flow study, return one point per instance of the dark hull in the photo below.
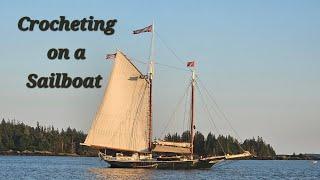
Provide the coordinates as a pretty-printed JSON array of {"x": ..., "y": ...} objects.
[{"x": 154, "y": 164}]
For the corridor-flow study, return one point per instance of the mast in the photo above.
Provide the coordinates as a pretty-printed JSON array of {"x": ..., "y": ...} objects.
[
  {"x": 151, "y": 72},
  {"x": 192, "y": 113}
]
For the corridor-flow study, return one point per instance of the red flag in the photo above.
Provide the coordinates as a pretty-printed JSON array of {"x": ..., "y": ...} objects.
[
  {"x": 190, "y": 64},
  {"x": 146, "y": 29},
  {"x": 111, "y": 56}
]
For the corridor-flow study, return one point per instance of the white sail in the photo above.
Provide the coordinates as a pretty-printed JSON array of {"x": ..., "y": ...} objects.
[
  {"x": 176, "y": 144},
  {"x": 122, "y": 120}
]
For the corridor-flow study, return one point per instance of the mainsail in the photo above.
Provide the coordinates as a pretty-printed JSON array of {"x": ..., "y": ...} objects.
[{"x": 122, "y": 123}]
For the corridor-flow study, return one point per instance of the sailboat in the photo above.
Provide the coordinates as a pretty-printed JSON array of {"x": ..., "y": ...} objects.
[{"x": 122, "y": 128}]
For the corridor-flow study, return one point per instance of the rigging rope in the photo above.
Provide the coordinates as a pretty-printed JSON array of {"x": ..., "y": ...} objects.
[
  {"x": 171, "y": 50},
  {"x": 172, "y": 67},
  {"x": 142, "y": 62},
  {"x": 207, "y": 92},
  {"x": 174, "y": 112},
  {"x": 136, "y": 115},
  {"x": 221, "y": 112},
  {"x": 161, "y": 64},
  {"x": 218, "y": 108},
  {"x": 210, "y": 117}
]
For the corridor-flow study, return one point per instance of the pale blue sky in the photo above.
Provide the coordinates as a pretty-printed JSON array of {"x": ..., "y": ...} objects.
[{"x": 260, "y": 58}]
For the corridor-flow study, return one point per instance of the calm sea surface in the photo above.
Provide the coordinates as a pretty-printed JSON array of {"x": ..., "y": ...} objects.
[{"x": 34, "y": 167}]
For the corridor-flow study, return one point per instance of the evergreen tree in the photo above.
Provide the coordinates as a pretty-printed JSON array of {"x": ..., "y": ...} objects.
[
  {"x": 199, "y": 144},
  {"x": 223, "y": 144},
  {"x": 17, "y": 136}
]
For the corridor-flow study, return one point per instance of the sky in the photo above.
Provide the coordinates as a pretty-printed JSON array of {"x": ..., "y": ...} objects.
[{"x": 259, "y": 59}]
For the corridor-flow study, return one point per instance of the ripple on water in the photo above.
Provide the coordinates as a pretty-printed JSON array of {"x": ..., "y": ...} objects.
[{"x": 39, "y": 167}]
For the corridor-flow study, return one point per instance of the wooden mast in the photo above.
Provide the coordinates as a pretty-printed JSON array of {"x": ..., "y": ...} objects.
[
  {"x": 192, "y": 127},
  {"x": 151, "y": 69},
  {"x": 150, "y": 116}
]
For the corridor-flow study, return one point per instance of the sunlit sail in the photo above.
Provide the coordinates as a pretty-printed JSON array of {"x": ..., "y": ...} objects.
[{"x": 122, "y": 127}]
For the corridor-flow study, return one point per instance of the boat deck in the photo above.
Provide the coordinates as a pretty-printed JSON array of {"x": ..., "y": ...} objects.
[{"x": 155, "y": 164}]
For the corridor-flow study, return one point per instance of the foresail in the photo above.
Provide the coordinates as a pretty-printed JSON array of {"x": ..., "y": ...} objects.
[{"x": 122, "y": 120}]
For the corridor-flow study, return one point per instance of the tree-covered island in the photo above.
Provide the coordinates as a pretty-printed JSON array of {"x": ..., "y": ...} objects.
[{"x": 17, "y": 138}]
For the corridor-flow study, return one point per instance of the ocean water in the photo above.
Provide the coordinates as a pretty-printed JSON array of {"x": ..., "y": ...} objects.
[{"x": 41, "y": 167}]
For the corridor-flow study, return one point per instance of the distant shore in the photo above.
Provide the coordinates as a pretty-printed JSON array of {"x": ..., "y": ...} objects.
[
  {"x": 290, "y": 157},
  {"x": 48, "y": 153},
  {"x": 40, "y": 153}
]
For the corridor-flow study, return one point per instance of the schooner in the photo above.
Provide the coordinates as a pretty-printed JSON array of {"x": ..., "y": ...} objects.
[{"x": 122, "y": 127}]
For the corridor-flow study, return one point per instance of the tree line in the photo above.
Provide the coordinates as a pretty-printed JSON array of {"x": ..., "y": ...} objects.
[
  {"x": 18, "y": 136},
  {"x": 219, "y": 145}
]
